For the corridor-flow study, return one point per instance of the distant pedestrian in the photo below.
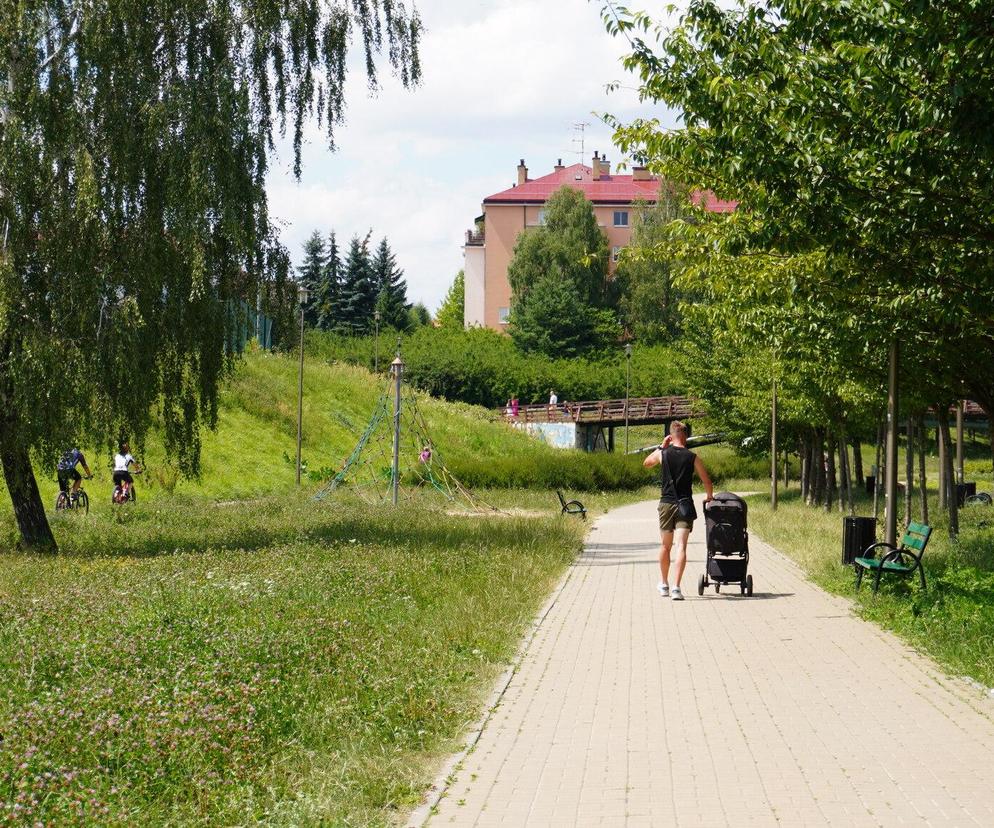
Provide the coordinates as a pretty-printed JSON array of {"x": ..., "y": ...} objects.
[
  {"x": 508, "y": 409},
  {"x": 676, "y": 503},
  {"x": 515, "y": 407},
  {"x": 553, "y": 398}
]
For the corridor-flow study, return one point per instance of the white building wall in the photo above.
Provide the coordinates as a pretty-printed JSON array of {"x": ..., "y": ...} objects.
[{"x": 475, "y": 297}]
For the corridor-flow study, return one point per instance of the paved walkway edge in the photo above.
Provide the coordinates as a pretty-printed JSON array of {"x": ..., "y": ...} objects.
[{"x": 443, "y": 781}]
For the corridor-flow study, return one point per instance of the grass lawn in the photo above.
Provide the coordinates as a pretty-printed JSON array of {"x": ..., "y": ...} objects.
[
  {"x": 185, "y": 662},
  {"x": 953, "y": 621}
]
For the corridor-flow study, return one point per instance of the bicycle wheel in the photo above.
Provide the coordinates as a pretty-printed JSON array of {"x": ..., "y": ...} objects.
[
  {"x": 61, "y": 502},
  {"x": 83, "y": 502},
  {"x": 132, "y": 493}
]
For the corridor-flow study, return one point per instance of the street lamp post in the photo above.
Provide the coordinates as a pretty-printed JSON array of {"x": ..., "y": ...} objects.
[
  {"x": 302, "y": 300},
  {"x": 376, "y": 341},
  {"x": 628, "y": 385}
]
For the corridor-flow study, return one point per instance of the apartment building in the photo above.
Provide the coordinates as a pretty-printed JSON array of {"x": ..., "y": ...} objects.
[{"x": 490, "y": 245}]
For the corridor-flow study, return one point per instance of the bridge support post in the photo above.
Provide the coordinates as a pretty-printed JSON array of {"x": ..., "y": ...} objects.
[{"x": 610, "y": 438}]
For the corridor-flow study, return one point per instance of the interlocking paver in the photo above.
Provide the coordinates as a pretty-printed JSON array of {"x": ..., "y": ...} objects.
[{"x": 630, "y": 709}]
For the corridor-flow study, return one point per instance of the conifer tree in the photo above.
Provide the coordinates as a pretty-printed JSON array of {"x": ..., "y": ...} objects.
[
  {"x": 391, "y": 300},
  {"x": 330, "y": 287},
  {"x": 358, "y": 298},
  {"x": 311, "y": 274}
]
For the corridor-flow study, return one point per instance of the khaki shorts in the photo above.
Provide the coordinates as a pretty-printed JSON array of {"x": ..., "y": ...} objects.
[{"x": 669, "y": 518}]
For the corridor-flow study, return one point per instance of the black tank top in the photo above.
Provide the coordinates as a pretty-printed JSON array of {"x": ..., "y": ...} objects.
[{"x": 678, "y": 474}]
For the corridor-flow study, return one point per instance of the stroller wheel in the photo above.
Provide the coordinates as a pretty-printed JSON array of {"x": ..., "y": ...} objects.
[
  {"x": 742, "y": 587},
  {"x": 748, "y": 585},
  {"x": 701, "y": 584},
  {"x": 717, "y": 588}
]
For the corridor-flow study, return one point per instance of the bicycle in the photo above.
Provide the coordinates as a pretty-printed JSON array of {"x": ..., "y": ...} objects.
[
  {"x": 78, "y": 500},
  {"x": 118, "y": 497}
]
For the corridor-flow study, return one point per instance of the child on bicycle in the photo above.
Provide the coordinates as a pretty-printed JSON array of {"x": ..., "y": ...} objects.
[
  {"x": 66, "y": 470},
  {"x": 123, "y": 461}
]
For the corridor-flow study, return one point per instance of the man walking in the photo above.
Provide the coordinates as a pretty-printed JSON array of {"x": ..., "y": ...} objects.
[{"x": 676, "y": 504}]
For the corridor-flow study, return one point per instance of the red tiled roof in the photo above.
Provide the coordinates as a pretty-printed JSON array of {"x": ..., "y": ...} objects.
[{"x": 610, "y": 189}]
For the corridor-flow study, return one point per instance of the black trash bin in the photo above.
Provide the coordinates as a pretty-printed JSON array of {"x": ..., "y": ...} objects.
[
  {"x": 965, "y": 490},
  {"x": 858, "y": 533},
  {"x": 871, "y": 481}
]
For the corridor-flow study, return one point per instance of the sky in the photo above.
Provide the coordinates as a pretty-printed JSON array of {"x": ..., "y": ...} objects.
[{"x": 502, "y": 80}]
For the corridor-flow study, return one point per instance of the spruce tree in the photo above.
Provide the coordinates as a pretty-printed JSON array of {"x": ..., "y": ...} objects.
[
  {"x": 391, "y": 300},
  {"x": 358, "y": 298},
  {"x": 330, "y": 287},
  {"x": 310, "y": 274}
]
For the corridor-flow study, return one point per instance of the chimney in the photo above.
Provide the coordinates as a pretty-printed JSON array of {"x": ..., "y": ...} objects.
[
  {"x": 522, "y": 172},
  {"x": 605, "y": 166},
  {"x": 559, "y": 165},
  {"x": 596, "y": 166},
  {"x": 641, "y": 174}
]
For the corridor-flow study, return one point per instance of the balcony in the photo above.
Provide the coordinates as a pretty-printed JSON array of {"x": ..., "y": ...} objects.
[{"x": 475, "y": 238}]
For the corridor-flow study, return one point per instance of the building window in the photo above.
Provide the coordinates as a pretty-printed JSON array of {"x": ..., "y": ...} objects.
[
  {"x": 502, "y": 315},
  {"x": 541, "y": 216},
  {"x": 615, "y": 253},
  {"x": 620, "y": 218}
]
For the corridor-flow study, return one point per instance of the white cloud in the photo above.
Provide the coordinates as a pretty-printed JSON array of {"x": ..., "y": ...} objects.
[{"x": 502, "y": 80}]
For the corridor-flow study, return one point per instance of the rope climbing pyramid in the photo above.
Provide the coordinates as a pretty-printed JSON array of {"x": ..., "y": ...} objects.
[{"x": 396, "y": 456}]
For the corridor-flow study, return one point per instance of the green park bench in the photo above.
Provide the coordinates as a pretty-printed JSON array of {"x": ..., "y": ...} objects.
[
  {"x": 903, "y": 560},
  {"x": 571, "y": 507}
]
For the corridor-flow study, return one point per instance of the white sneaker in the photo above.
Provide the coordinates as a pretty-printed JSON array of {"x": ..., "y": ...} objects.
[
  {"x": 663, "y": 589},
  {"x": 675, "y": 594}
]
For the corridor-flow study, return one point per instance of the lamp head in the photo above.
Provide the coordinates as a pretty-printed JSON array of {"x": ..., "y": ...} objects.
[
  {"x": 302, "y": 293},
  {"x": 628, "y": 349}
]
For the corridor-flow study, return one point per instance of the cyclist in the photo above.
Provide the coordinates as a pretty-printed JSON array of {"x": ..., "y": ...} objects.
[
  {"x": 66, "y": 470},
  {"x": 123, "y": 461}
]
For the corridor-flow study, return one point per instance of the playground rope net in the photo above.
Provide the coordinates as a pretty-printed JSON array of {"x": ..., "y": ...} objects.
[{"x": 368, "y": 470}]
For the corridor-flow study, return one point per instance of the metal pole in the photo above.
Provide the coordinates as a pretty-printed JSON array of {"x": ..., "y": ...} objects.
[
  {"x": 628, "y": 385},
  {"x": 397, "y": 367},
  {"x": 959, "y": 442},
  {"x": 773, "y": 450},
  {"x": 300, "y": 392},
  {"x": 890, "y": 514}
]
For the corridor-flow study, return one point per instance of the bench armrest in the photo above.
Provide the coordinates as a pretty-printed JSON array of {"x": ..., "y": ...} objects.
[
  {"x": 883, "y": 544},
  {"x": 898, "y": 553}
]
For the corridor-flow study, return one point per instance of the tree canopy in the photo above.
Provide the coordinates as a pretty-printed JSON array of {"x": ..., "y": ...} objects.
[
  {"x": 558, "y": 278},
  {"x": 452, "y": 311},
  {"x": 134, "y": 145}
]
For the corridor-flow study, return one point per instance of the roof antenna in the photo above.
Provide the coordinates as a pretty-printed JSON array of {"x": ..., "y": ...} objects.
[{"x": 578, "y": 140}]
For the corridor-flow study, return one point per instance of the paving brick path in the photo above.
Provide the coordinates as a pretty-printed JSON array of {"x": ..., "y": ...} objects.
[{"x": 630, "y": 709}]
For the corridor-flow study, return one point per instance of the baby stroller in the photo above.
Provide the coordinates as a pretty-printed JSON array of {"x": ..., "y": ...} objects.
[{"x": 728, "y": 544}]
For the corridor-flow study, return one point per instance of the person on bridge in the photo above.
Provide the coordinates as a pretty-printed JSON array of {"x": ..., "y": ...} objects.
[{"x": 676, "y": 503}]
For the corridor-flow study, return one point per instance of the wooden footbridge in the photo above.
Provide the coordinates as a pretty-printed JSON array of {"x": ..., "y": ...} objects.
[
  {"x": 590, "y": 424},
  {"x": 639, "y": 411}
]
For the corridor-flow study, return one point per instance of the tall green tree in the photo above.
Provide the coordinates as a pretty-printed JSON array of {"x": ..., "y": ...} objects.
[
  {"x": 452, "y": 311},
  {"x": 558, "y": 278},
  {"x": 359, "y": 290},
  {"x": 388, "y": 278},
  {"x": 311, "y": 273},
  {"x": 330, "y": 286},
  {"x": 647, "y": 297},
  {"x": 134, "y": 143}
]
